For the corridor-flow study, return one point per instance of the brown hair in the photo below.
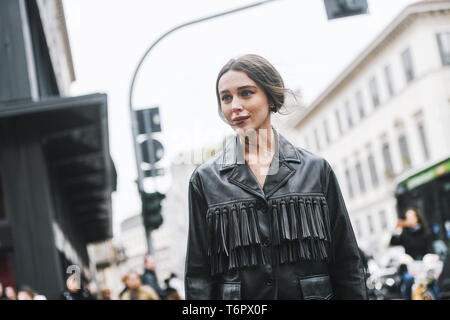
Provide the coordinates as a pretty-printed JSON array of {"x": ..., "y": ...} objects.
[
  {"x": 263, "y": 73},
  {"x": 420, "y": 218}
]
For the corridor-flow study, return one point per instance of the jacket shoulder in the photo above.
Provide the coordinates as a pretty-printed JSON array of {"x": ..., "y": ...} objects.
[
  {"x": 312, "y": 158},
  {"x": 312, "y": 162},
  {"x": 210, "y": 167}
]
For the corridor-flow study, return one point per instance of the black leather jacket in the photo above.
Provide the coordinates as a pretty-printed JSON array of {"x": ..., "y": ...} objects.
[{"x": 291, "y": 239}]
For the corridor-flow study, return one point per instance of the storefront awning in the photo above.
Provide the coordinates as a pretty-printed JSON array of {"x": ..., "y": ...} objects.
[{"x": 75, "y": 140}]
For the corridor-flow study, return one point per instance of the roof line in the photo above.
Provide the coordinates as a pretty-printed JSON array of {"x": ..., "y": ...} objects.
[
  {"x": 395, "y": 24},
  {"x": 62, "y": 20}
]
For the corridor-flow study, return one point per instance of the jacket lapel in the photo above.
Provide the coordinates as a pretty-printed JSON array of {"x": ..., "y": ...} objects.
[
  {"x": 241, "y": 175},
  {"x": 279, "y": 173},
  {"x": 281, "y": 168}
]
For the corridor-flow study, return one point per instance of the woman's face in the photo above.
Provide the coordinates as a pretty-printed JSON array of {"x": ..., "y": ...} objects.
[
  {"x": 10, "y": 293},
  {"x": 133, "y": 281},
  {"x": 23, "y": 295},
  {"x": 411, "y": 218},
  {"x": 244, "y": 104},
  {"x": 73, "y": 284}
]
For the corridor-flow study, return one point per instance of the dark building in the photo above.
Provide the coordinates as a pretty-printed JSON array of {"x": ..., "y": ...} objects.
[{"x": 56, "y": 173}]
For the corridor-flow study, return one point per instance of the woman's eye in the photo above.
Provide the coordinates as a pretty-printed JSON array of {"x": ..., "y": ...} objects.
[
  {"x": 226, "y": 97},
  {"x": 246, "y": 93}
]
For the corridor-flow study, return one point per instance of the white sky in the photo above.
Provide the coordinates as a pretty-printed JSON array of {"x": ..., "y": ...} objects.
[{"x": 108, "y": 38}]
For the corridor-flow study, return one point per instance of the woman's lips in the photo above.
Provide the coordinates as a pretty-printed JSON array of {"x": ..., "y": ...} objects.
[{"x": 239, "y": 120}]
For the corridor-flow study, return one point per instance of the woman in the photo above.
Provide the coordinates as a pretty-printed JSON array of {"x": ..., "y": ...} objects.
[
  {"x": 413, "y": 234},
  {"x": 136, "y": 290},
  {"x": 26, "y": 293},
  {"x": 267, "y": 219}
]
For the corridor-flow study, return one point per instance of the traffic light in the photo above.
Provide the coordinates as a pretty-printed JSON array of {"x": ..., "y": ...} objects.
[
  {"x": 344, "y": 8},
  {"x": 158, "y": 151},
  {"x": 148, "y": 120},
  {"x": 150, "y": 150},
  {"x": 151, "y": 209}
]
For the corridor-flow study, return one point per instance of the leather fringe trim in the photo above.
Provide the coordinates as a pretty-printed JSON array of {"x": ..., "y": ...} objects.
[
  {"x": 300, "y": 231},
  {"x": 305, "y": 235},
  {"x": 234, "y": 237}
]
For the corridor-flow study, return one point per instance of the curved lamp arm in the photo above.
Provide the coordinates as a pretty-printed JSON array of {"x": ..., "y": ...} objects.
[{"x": 130, "y": 98}]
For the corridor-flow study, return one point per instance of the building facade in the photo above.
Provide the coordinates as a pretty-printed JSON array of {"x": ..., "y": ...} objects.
[
  {"x": 384, "y": 116},
  {"x": 56, "y": 173}
]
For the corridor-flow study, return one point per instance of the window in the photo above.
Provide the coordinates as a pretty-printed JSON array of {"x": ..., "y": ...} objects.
[
  {"x": 360, "y": 104},
  {"x": 316, "y": 137},
  {"x": 383, "y": 220},
  {"x": 326, "y": 130},
  {"x": 359, "y": 173},
  {"x": 444, "y": 47},
  {"x": 349, "y": 183},
  {"x": 388, "y": 167},
  {"x": 374, "y": 92},
  {"x": 423, "y": 139},
  {"x": 408, "y": 65},
  {"x": 338, "y": 120},
  {"x": 371, "y": 225},
  {"x": 2, "y": 202},
  {"x": 388, "y": 78},
  {"x": 373, "y": 170},
  {"x": 404, "y": 151},
  {"x": 349, "y": 114}
]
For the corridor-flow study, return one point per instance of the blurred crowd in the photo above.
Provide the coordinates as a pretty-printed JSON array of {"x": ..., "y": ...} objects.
[
  {"x": 136, "y": 286},
  {"x": 420, "y": 271},
  {"x": 24, "y": 293},
  {"x": 146, "y": 286}
]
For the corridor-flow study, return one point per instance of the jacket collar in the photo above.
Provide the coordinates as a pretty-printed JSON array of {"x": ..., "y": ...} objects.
[
  {"x": 233, "y": 153},
  {"x": 280, "y": 169}
]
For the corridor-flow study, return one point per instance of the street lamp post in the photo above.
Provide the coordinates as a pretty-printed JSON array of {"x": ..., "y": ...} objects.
[{"x": 134, "y": 125}]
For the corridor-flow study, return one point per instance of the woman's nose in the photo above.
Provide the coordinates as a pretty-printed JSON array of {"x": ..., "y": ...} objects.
[{"x": 236, "y": 104}]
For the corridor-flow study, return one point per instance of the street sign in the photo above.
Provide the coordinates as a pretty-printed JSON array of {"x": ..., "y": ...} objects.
[
  {"x": 148, "y": 120},
  {"x": 158, "y": 151},
  {"x": 153, "y": 172},
  {"x": 344, "y": 8}
]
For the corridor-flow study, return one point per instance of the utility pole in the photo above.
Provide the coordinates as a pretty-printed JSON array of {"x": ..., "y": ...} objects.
[{"x": 134, "y": 122}]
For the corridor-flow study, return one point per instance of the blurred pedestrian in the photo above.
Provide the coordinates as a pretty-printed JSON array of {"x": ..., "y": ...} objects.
[
  {"x": 75, "y": 290},
  {"x": 406, "y": 282},
  {"x": 2, "y": 292},
  {"x": 106, "y": 294},
  {"x": 149, "y": 277},
  {"x": 267, "y": 219},
  {"x": 92, "y": 287},
  {"x": 413, "y": 234},
  {"x": 10, "y": 293},
  {"x": 26, "y": 293},
  {"x": 125, "y": 288},
  {"x": 173, "y": 288},
  {"x": 136, "y": 290},
  {"x": 176, "y": 283}
]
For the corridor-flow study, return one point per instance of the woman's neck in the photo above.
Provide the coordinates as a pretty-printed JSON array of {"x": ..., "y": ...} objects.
[{"x": 259, "y": 144}]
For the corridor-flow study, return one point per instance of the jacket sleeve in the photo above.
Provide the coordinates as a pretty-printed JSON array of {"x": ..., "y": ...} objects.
[
  {"x": 396, "y": 240},
  {"x": 199, "y": 285},
  {"x": 346, "y": 268}
]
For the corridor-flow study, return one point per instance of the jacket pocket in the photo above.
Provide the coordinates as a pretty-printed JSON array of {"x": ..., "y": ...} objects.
[
  {"x": 230, "y": 291},
  {"x": 316, "y": 288}
]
